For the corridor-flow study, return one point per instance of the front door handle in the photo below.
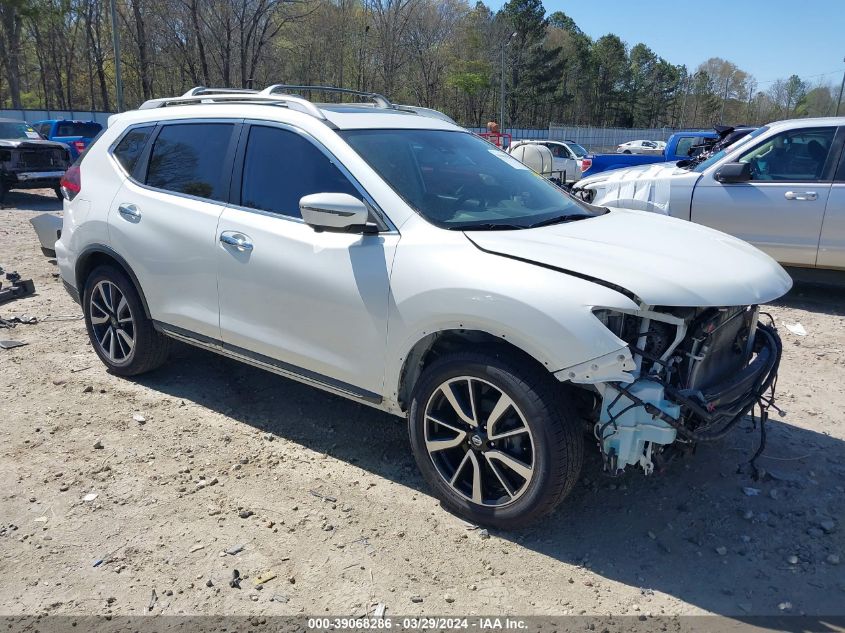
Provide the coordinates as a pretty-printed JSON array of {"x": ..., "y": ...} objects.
[
  {"x": 800, "y": 195},
  {"x": 238, "y": 240},
  {"x": 129, "y": 211}
]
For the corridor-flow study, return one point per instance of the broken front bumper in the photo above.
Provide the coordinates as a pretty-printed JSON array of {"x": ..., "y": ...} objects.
[{"x": 637, "y": 416}]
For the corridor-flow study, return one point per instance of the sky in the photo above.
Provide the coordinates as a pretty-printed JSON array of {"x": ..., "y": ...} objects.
[{"x": 771, "y": 39}]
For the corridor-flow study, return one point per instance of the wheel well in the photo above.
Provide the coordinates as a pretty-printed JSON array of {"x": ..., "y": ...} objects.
[
  {"x": 88, "y": 262},
  {"x": 434, "y": 345}
]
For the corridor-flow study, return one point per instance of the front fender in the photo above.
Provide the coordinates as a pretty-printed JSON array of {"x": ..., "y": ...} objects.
[{"x": 545, "y": 313}]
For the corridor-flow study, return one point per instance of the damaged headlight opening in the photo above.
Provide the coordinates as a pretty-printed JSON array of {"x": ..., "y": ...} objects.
[{"x": 698, "y": 372}]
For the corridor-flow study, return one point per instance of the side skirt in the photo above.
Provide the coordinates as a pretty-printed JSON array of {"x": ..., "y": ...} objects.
[{"x": 281, "y": 368}]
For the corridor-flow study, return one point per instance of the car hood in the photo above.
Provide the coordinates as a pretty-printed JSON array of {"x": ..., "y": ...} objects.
[
  {"x": 25, "y": 143},
  {"x": 661, "y": 260},
  {"x": 642, "y": 187}
]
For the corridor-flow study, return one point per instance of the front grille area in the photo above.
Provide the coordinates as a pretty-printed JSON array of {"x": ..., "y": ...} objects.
[{"x": 42, "y": 159}]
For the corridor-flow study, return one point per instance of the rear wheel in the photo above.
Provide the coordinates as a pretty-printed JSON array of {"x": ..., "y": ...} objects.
[
  {"x": 494, "y": 438},
  {"x": 122, "y": 335}
]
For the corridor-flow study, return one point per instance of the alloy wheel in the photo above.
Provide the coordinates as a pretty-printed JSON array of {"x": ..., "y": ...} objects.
[
  {"x": 479, "y": 441},
  {"x": 112, "y": 322}
]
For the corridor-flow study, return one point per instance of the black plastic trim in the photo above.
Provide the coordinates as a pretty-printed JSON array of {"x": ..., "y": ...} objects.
[
  {"x": 306, "y": 374},
  {"x": 105, "y": 250}
]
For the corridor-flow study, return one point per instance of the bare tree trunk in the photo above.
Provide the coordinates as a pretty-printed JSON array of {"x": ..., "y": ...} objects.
[{"x": 10, "y": 45}]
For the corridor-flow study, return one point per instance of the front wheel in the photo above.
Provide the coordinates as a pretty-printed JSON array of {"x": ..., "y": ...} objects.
[{"x": 494, "y": 438}]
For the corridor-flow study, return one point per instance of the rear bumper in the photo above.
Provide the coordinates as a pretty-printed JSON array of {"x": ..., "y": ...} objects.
[
  {"x": 31, "y": 179},
  {"x": 73, "y": 292}
]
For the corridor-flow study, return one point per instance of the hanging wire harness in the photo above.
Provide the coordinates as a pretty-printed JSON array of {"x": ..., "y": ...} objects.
[{"x": 696, "y": 386}]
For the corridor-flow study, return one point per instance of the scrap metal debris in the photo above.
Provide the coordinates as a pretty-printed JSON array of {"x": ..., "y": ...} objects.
[
  {"x": 19, "y": 288},
  {"x": 24, "y": 319},
  {"x": 235, "y": 583},
  {"x": 11, "y": 344}
]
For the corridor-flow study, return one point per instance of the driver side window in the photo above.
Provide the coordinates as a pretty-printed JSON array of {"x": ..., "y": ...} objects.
[{"x": 791, "y": 156}]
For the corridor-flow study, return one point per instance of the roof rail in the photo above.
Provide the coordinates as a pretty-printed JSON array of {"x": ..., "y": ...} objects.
[
  {"x": 380, "y": 100},
  {"x": 292, "y": 102},
  {"x": 202, "y": 90}
]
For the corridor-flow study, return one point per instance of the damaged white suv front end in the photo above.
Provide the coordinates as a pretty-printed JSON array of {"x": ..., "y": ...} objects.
[{"x": 694, "y": 356}]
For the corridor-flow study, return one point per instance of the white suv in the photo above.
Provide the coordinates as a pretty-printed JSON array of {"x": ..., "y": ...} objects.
[{"x": 391, "y": 257}]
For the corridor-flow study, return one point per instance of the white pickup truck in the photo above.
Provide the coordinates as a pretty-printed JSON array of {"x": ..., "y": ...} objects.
[{"x": 781, "y": 188}]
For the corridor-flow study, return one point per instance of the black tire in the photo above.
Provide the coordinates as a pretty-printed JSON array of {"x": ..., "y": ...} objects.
[
  {"x": 627, "y": 151},
  {"x": 557, "y": 439},
  {"x": 3, "y": 191},
  {"x": 150, "y": 349},
  {"x": 58, "y": 191}
]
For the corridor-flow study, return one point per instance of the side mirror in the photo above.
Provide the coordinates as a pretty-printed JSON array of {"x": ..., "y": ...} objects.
[
  {"x": 334, "y": 212},
  {"x": 734, "y": 172}
]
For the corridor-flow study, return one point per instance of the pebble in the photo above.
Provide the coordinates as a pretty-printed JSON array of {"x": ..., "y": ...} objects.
[
  {"x": 208, "y": 583},
  {"x": 64, "y": 488},
  {"x": 88, "y": 389},
  {"x": 751, "y": 492},
  {"x": 448, "y": 598},
  {"x": 832, "y": 559},
  {"x": 785, "y": 606},
  {"x": 749, "y": 514},
  {"x": 792, "y": 560},
  {"x": 245, "y": 514},
  {"x": 416, "y": 599},
  {"x": 828, "y": 525},
  {"x": 483, "y": 534},
  {"x": 98, "y": 444},
  {"x": 277, "y": 597},
  {"x": 721, "y": 550}
]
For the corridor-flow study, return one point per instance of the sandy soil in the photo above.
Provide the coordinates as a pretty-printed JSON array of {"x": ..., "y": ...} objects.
[{"x": 325, "y": 495}]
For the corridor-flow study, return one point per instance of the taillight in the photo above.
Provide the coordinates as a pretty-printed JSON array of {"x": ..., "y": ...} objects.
[
  {"x": 79, "y": 145},
  {"x": 586, "y": 163},
  {"x": 71, "y": 182}
]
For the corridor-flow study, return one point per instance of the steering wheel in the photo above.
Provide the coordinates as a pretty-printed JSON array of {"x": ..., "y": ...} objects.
[{"x": 757, "y": 170}]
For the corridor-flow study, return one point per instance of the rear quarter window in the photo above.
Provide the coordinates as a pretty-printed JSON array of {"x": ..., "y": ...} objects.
[{"x": 128, "y": 150}]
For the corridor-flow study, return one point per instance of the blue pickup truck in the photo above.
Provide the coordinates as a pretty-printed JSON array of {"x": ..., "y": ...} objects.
[
  {"x": 77, "y": 135},
  {"x": 678, "y": 147}
]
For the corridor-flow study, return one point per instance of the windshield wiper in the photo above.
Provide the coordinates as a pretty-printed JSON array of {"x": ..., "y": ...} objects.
[
  {"x": 559, "y": 219},
  {"x": 487, "y": 226}
]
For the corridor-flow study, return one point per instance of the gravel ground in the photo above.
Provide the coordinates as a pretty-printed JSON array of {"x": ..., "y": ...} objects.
[{"x": 206, "y": 454}]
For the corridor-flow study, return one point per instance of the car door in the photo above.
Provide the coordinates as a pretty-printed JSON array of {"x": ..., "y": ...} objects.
[
  {"x": 312, "y": 304},
  {"x": 562, "y": 161},
  {"x": 781, "y": 208},
  {"x": 163, "y": 221},
  {"x": 832, "y": 241}
]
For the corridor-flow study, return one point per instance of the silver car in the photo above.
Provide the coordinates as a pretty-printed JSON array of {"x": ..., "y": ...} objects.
[{"x": 782, "y": 188}]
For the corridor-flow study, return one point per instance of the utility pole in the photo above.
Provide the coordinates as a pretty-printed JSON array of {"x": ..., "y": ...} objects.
[
  {"x": 502, "y": 86},
  {"x": 725, "y": 98},
  {"x": 841, "y": 86},
  {"x": 115, "y": 34}
]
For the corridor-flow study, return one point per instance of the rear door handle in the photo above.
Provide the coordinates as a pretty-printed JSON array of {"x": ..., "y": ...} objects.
[
  {"x": 129, "y": 212},
  {"x": 238, "y": 240},
  {"x": 800, "y": 195}
]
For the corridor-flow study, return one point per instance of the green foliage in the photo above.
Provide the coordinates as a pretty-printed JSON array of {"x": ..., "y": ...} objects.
[{"x": 446, "y": 54}]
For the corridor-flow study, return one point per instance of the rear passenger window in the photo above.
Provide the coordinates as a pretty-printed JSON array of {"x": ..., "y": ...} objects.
[
  {"x": 281, "y": 166},
  {"x": 190, "y": 158},
  {"x": 128, "y": 151}
]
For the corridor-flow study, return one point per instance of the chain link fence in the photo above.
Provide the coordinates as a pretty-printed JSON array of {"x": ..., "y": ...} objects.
[
  {"x": 31, "y": 116},
  {"x": 599, "y": 140}
]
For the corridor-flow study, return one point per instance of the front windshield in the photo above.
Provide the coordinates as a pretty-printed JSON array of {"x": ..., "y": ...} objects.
[
  {"x": 715, "y": 158},
  {"x": 456, "y": 180},
  {"x": 16, "y": 130}
]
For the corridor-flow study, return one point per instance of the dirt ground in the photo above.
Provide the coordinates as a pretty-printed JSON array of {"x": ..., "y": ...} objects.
[{"x": 206, "y": 454}]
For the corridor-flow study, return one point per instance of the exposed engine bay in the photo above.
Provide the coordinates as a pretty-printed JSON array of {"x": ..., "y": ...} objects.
[{"x": 697, "y": 373}]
